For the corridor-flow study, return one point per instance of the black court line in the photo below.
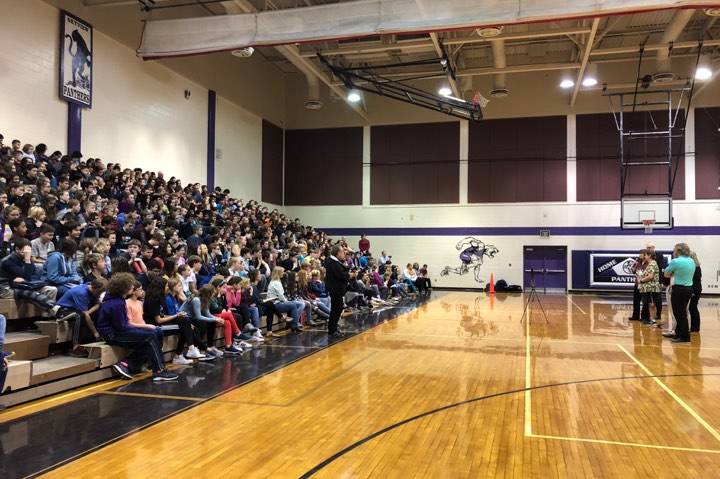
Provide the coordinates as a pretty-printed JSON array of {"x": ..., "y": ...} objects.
[
  {"x": 391, "y": 427},
  {"x": 37, "y": 451}
]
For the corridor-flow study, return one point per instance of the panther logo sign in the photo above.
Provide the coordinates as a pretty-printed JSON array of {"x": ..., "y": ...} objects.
[{"x": 76, "y": 61}]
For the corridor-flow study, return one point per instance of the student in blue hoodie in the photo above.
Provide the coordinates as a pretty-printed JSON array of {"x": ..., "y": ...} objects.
[
  {"x": 60, "y": 267},
  {"x": 115, "y": 329}
]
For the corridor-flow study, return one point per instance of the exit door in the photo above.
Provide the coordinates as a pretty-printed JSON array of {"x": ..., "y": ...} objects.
[{"x": 547, "y": 265}]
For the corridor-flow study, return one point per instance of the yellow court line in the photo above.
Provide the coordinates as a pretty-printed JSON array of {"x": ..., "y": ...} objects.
[
  {"x": 618, "y": 443},
  {"x": 145, "y": 395},
  {"x": 46, "y": 403},
  {"x": 546, "y": 341},
  {"x": 528, "y": 376},
  {"x": 677, "y": 398}
]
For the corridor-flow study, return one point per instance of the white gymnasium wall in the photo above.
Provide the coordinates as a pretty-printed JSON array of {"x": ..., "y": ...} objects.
[
  {"x": 140, "y": 117},
  {"x": 30, "y": 109},
  {"x": 439, "y": 251},
  {"x": 238, "y": 138}
]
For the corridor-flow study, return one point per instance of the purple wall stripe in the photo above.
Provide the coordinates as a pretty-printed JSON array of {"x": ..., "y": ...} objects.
[{"x": 524, "y": 231}]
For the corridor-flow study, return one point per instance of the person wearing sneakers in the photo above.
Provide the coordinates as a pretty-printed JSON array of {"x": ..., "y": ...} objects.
[
  {"x": 216, "y": 306},
  {"x": 682, "y": 268},
  {"x": 136, "y": 314},
  {"x": 238, "y": 299},
  {"x": 197, "y": 308},
  {"x": 83, "y": 301},
  {"x": 116, "y": 331},
  {"x": 276, "y": 295},
  {"x": 173, "y": 315}
]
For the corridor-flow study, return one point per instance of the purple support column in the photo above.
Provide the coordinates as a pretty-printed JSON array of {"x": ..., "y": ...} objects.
[{"x": 74, "y": 128}]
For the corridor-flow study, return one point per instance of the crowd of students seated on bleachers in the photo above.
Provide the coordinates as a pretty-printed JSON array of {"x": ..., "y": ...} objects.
[{"x": 129, "y": 256}]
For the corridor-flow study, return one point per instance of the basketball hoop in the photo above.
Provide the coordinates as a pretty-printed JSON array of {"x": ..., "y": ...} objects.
[{"x": 648, "y": 226}]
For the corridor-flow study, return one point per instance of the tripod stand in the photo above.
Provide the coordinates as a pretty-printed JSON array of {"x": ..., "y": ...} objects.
[{"x": 533, "y": 296}]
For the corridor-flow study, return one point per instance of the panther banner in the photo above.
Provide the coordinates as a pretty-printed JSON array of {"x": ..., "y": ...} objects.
[
  {"x": 76, "y": 44},
  {"x": 614, "y": 269}
]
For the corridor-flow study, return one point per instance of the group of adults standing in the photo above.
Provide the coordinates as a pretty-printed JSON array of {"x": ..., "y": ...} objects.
[{"x": 682, "y": 278}]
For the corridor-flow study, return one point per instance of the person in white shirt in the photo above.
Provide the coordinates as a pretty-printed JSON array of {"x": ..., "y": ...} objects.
[{"x": 276, "y": 294}]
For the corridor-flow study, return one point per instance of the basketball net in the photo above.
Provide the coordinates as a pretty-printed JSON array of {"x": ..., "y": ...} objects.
[
  {"x": 648, "y": 226},
  {"x": 478, "y": 99}
]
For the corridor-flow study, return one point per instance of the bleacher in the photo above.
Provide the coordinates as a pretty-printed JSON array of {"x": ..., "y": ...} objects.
[{"x": 40, "y": 366}]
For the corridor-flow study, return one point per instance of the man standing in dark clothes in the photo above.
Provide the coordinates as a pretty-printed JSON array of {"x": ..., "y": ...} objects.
[{"x": 336, "y": 280}]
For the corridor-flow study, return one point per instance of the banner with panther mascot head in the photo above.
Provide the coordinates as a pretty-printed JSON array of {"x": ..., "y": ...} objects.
[{"x": 76, "y": 44}]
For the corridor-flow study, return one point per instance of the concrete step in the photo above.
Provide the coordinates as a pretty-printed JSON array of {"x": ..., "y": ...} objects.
[
  {"x": 18, "y": 375},
  {"x": 58, "y": 367},
  {"x": 27, "y": 345},
  {"x": 12, "y": 309},
  {"x": 57, "y": 331}
]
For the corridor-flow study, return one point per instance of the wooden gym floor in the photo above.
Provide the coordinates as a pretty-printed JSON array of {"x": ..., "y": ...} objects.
[{"x": 457, "y": 388}]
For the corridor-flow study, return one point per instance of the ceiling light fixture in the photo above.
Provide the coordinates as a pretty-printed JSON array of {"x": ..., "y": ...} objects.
[
  {"x": 590, "y": 78},
  {"x": 445, "y": 91},
  {"x": 704, "y": 68},
  {"x": 567, "y": 83},
  {"x": 354, "y": 96}
]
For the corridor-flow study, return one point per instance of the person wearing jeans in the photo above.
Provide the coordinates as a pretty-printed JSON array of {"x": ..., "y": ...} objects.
[
  {"x": 682, "y": 268},
  {"x": 276, "y": 295},
  {"x": 115, "y": 329},
  {"x": 82, "y": 302},
  {"x": 198, "y": 311}
]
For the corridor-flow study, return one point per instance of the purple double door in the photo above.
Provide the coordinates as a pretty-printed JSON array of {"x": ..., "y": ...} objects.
[{"x": 547, "y": 265}]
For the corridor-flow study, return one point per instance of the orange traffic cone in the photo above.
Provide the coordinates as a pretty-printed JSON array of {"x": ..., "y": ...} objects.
[{"x": 492, "y": 283}]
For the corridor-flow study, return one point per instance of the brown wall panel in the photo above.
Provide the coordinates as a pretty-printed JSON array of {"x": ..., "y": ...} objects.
[
  {"x": 517, "y": 160},
  {"x": 707, "y": 153},
  {"x": 272, "y": 163},
  {"x": 598, "y": 150},
  {"x": 415, "y": 164},
  {"x": 323, "y": 167}
]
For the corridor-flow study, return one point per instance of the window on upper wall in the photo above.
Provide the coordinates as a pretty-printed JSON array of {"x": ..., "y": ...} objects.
[
  {"x": 598, "y": 157},
  {"x": 517, "y": 160},
  {"x": 415, "y": 163},
  {"x": 707, "y": 153}
]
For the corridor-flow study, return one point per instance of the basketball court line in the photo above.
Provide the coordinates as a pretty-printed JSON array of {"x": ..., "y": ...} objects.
[
  {"x": 646, "y": 370},
  {"x": 619, "y": 443},
  {"x": 154, "y": 396},
  {"x": 528, "y": 374},
  {"x": 672, "y": 394},
  {"x": 401, "y": 310},
  {"x": 329, "y": 460},
  {"x": 549, "y": 341}
]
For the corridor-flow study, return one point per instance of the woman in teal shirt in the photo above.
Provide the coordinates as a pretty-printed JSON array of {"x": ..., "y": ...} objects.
[{"x": 682, "y": 268}]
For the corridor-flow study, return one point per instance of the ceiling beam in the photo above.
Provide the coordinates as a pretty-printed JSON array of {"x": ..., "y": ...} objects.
[
  {"x": 373, "y": 47},
  {"x": 116, "y": 3},
  {"x": 519, "y": 36},
  {"x": 654, "y": 47},
  {"x": 470, "y": 72},
  {"x": 440, "y": 53},
  {"x": 586, "y": 56},
  {"x": 305, "y": 65}
]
